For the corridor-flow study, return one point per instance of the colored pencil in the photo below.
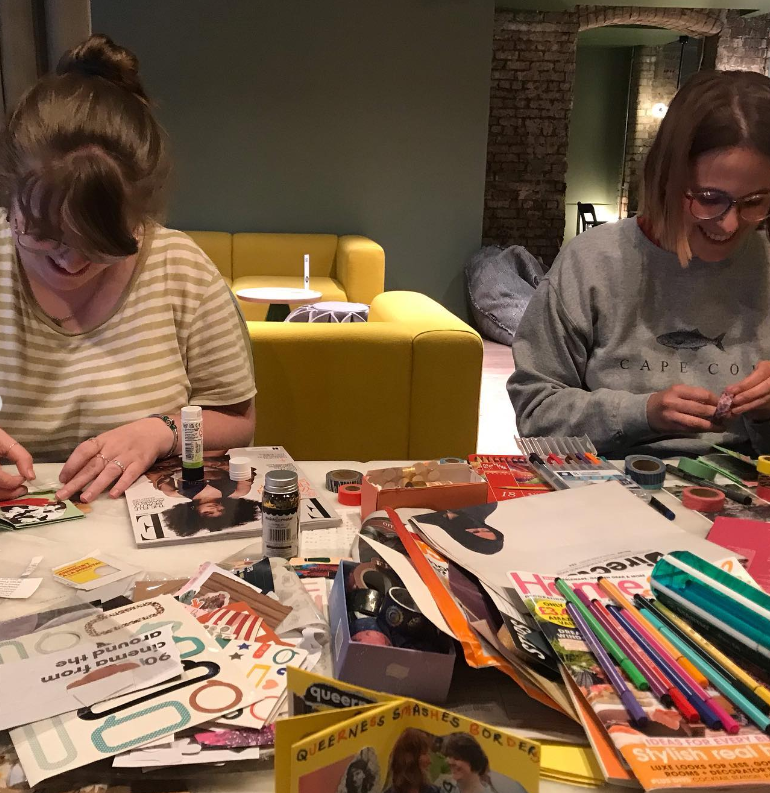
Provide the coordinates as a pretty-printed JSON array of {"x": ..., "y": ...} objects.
[
  {"x": 635, "y": 710},
  {"x": 612, "y": 590},
  {"x": 633, "y": 651},
  {"x": 676, "y": 696},
  {"x": 717, "y": 680},
  {"x": 740, "y": 674},
  {"x": 682, "y": 680},
  {"x": 609, "y": 644},
  {"x": 754, "y": 691}
]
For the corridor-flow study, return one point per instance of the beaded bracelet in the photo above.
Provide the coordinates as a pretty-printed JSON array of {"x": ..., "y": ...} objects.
[{"x": 171, "y": 424}]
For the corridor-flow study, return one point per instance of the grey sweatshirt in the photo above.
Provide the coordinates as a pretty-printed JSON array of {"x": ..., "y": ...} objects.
[{"x": 618, "y": 318}]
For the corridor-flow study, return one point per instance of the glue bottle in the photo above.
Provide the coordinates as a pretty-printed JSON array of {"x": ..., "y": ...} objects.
[{"x": 192, "y": 443}]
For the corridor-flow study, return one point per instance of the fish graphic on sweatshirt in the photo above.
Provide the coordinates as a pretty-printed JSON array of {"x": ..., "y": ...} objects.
[{"x": 689, "y": 340}]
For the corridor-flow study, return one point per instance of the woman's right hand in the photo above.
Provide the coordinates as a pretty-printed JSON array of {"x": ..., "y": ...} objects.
[
  {"x": 682, "y": 409},
  {"x": 12, "y": 485}
]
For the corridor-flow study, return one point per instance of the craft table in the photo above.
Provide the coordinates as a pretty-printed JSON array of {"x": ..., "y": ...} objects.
[{"x": 107, "y": 528}]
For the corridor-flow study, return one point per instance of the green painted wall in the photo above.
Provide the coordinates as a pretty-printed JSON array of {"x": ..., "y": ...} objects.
[
  {"x": 595, "y": 153},
  {"x": 334, "y": 116}
]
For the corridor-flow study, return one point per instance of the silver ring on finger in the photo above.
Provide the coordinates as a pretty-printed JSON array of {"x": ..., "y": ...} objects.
[
  {"x": 15, "y": 443},
  {"x": 104, "y": 459},
  {"x": 119, "y": 464}
]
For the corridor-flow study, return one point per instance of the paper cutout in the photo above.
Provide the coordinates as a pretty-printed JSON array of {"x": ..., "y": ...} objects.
[
  {"x": 19, "y": 587},
  {"x": 48, "y": 685},
  {"x": 210, "y": 686}
]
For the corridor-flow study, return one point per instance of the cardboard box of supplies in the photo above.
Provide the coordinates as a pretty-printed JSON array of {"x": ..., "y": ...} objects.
[
  {"x": 451, "y": 486},
  {"x": 395, "y": 670}
]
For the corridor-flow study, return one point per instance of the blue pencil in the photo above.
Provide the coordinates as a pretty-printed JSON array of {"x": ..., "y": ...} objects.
[{"x": 635, "y": 710}]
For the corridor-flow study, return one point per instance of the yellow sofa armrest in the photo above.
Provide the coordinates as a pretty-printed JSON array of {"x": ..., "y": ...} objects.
[
  {"x": 447, "y": 357},
  {"x": 360, "y": 268},
  {"x": 328, "y": 391}
]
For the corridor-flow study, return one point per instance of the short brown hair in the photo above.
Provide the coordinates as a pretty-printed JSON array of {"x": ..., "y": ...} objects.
[
  {"x": 83, "y": 147},
  {"x": 713, "y": 110}
]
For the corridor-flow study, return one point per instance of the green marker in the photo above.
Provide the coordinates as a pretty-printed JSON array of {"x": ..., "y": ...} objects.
[{"x": 609, "y": 644}]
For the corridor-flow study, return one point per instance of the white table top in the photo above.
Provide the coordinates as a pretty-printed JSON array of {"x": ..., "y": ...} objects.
[
  {"x": 107, "y": 528},
  {"x": 278, "y": 294}
]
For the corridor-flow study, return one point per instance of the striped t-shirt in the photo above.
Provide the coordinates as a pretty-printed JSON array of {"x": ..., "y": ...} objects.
[{"x": 175, "y": 338}]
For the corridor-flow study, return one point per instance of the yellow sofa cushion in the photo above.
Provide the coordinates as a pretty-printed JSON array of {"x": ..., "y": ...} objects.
[
  {"x": 218, "y": 246},
  {"x": 283, "y": 254},
  {"x": 329, "y": 288}
]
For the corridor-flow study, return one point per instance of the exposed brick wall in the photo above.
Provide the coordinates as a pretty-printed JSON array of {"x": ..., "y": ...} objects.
[
  {"x": 743, "y": 43},
  {"x": 533, "y": 70},
  {"x": 653, "y": 80},
  {"x": 690, "y": 21}
]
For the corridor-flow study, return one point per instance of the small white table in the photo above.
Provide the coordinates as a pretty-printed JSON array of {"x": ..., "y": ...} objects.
[{"x": 279, "y": 298}]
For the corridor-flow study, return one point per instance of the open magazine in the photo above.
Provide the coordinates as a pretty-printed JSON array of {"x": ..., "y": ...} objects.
[
  {"x": 164, "y": 509},
  {"x": 669, "y": 752},
  {"x": 361, "y": 740}
]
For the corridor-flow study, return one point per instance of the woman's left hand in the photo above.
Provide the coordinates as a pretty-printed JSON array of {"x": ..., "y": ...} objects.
[
  {"x": 752, "y": 394},
  {"x": 114, "y": 459}
]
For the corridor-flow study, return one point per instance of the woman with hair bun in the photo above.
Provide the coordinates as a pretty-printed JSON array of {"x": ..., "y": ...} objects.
[{"x": 110, "y": 323}]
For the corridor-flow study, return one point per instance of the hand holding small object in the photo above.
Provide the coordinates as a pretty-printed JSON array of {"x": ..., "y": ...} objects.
[
  {"x": 12, "y": 485},
  {"x": 682, "y": 408},
  {"x": 751, "y": 396},
  {"x": 114, "y": 459}
]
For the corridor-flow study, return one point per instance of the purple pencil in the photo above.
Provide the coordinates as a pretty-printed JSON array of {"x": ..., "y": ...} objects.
[{"x": 635, "y": 711}]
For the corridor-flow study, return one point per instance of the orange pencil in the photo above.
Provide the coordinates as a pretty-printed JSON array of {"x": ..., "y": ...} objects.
[{"x": 633, "y": 612}]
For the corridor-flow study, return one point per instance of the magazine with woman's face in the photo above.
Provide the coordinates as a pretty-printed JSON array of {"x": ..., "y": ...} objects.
[{"x": 165, "y": 507}]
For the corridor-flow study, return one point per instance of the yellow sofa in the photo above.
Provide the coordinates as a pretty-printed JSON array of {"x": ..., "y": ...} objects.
[
  {"x": 347, "y": 268},
  {"x": 404, "y": 385}
]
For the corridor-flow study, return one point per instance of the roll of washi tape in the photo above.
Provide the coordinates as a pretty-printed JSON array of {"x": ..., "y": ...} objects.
[
  {"x": 648, "y": 472},
  {"x": 703, "y": 499},
  {"x": 401, "y": 614},
  {"x": 349, "y": 495},
  {"x": 371, "y": 575},
  {"x": 697, "y": 468},
  {"x": 445, "y": 460},
  {"x": 367, "y": 630},
  {"x": 342, "y": 476},
  {"x": 366, "y": 602}
]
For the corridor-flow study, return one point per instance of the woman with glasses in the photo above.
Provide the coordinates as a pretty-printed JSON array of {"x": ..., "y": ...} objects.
[
  {"x": 641, "y": 325},
  {"x": 109, "y": 322}
]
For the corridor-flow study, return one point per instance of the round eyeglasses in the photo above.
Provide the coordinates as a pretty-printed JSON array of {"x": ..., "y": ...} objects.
[
  {"x": 51, "y": 247},
  {"x": 715, "y": 204}
]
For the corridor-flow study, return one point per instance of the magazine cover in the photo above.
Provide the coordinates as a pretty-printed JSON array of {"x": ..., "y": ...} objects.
[
  {"x": 164, "y": 509},
  {"x": 669, "y": 752},
  {"x": 388, "y": 745}
]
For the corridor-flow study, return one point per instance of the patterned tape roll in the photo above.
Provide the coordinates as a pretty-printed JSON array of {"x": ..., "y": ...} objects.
[
  {"x": 445, "y": 460},
  {"x": 342, "y": 476},
  {"x": 367, "y": 630},
  {"x": 366, "y": 602},
  {"x": 370, "y": 575},
  {"x": 697, "y": 468},
  {"x": 703, "y": 499},
  {"x": 349, "y": 495},
  {"x": 649, "y": 472}
]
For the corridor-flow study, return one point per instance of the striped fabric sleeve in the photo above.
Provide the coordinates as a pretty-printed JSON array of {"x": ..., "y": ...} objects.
[{"x": 219, "y": 362}]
